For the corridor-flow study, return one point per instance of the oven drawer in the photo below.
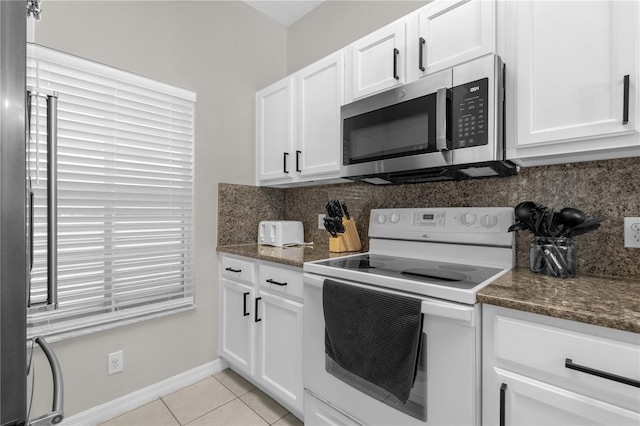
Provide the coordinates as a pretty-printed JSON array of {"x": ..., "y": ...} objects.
[
  {"x": 281, "y": 280},
  {"x": 557, "y": 355},
  {"x": 319, "y": 413},
  {"x": 237, "y": 269}
]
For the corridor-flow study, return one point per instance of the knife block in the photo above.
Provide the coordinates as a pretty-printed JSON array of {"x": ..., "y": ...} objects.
[{"x": 347, "y": 241}]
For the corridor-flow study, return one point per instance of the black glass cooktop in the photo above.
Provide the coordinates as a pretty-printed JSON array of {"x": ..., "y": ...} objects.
[{"x": 433, "y": 272}]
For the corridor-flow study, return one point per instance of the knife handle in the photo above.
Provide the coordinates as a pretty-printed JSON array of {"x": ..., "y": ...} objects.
[{"x": 345, "y": 211}]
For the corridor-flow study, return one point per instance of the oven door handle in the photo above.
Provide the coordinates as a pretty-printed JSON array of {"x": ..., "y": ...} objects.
[{"x": 464, "y": 314}]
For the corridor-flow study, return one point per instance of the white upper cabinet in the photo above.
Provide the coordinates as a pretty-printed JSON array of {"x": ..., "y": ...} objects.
[
  {"x": 274, "y": 132},
  {"x": 298, "y": 125},
  {"x": 567, "y": 97},
  {"x": 447, "y": 33},
  {"x": 320, "y": 96},
  {"x": 377, "y": 61}
]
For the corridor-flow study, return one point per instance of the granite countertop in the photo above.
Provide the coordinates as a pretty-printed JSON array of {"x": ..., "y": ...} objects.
[
  {"x": 604, "y": 301},
  {"x": 292, "y": 256}
]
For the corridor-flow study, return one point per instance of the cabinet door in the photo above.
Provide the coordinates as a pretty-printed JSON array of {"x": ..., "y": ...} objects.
[
  {"x": 320, "y": 95},
  {"x": 524, "y": 401},
  {"x": 274, "y": 131},
  {"x": 450, "y": 33},
  {"x": 377, "y": 60},
  {"x": 236, "y": 330},
  {"x": 280, "y": 342},
  {"x": 566, "y": 66}
]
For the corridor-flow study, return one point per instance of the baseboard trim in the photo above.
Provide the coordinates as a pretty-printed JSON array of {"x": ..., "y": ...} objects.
[{"x": 119, "y": 406}]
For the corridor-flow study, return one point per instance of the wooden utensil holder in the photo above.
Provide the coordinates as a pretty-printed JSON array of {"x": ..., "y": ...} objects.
[{"x": 347, "y": 241}]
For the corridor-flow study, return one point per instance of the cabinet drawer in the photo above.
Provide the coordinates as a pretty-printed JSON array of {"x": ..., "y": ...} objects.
[
  {"x": 279, "y": 280},
  {"x": 238, "y": 269},
  {"x": 541, "y": 350}
]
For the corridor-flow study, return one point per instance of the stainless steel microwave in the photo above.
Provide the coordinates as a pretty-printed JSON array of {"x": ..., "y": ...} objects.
[{"x": 445, "y": 126}]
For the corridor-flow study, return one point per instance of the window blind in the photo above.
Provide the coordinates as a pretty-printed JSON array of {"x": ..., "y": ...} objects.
[{"x": 125, "y": 195}]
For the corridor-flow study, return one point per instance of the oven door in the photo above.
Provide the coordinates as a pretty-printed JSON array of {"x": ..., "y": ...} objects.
[
  {"x": 402, "y": 129},
  {"x": 447, "y": 387}
]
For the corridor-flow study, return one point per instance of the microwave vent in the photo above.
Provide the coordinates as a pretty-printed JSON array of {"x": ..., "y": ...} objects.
[{"x": 476, "y": 171}]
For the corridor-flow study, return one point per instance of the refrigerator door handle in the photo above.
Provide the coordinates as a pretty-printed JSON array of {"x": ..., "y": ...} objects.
[
  {"x": 52, "y": 200},
  {"x": 57, "y": 414}
]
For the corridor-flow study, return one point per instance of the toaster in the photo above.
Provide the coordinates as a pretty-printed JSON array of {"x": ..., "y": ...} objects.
[{"x": 280, "y": 232}]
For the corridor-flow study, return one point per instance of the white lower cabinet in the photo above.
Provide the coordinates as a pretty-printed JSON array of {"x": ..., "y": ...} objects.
[
  {"x": 531, "y": 402},
  {"x": 539, "y": 370},
  {"x": 279, "y": 337},
  {"x": 237, "y": 332},
  {"x": 260, "y": 329}
]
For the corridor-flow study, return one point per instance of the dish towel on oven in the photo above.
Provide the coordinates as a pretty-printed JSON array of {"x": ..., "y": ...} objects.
[{"x": 374, "y": 335}]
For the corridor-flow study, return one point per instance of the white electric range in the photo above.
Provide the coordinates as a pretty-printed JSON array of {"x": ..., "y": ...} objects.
[{"x": 439, "y": 257}]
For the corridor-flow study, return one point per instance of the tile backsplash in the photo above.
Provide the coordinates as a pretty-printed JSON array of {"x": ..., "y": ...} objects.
[{"x": 608, "y": 188}]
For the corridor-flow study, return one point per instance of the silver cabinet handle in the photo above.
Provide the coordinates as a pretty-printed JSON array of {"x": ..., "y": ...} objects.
[{"x": 57, "y": 414}]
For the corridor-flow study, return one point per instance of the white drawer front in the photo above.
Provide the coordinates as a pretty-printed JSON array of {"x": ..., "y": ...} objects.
[
  {"x": 542, "y": 351},
  {"x": 238, "y": 269},
  {"x": 280, "y": 280}
]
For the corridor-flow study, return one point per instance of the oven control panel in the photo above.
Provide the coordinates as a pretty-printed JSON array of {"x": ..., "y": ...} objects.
[{"x": 451, "y": 224}]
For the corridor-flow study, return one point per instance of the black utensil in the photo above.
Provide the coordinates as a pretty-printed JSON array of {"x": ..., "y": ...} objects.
[
  {"x": 574, "y": 232},
  {"x": 570, "y": 217},
  {"x": 549, "y": 225},
  {"x": 518, "y": 226},
  {"x": 584, "y": 227},
  {"x": 523, "y": 210}
]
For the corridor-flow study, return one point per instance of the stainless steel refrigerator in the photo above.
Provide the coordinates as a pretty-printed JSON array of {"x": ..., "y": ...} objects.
[
  {"x": 13, "y": 213},
  {"x": 14, "y": 225}
]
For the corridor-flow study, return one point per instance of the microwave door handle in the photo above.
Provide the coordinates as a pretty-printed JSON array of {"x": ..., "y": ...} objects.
[{"x": 441, "y": 119}]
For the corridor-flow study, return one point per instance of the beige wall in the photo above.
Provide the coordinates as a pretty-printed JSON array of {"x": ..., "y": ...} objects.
[
  {"x": 336, "y": 24},
  {"x": 224, "y": 51}
]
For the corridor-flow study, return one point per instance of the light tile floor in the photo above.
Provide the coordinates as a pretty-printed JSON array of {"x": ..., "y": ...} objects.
[{"x": 225, "y": 399}]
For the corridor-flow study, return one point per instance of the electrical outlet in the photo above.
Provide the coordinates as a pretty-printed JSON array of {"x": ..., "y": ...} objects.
[
  {"x": 632, "y": 232},
  {"x": 115, "y": 362},
  {"x": 321, "y": 221}
]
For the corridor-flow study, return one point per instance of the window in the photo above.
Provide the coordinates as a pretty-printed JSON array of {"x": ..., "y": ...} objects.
[{"x": 125, "y": 195}]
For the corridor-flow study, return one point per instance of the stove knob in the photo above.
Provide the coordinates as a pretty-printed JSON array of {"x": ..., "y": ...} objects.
[
  {"x": 382, "y": 219},
  {"x": 468, "y": 219},
  {"x": 395, "y": 218},
  {"x": 489, "y": 221}
]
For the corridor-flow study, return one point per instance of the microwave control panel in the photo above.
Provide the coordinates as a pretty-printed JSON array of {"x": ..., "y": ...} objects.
[{"x": 470, "y": 118}]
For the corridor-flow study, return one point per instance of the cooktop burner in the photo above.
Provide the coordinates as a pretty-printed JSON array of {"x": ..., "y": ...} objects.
[
  {"x": 433, "y": 272},
  {"x": 366, "y": 261}
]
